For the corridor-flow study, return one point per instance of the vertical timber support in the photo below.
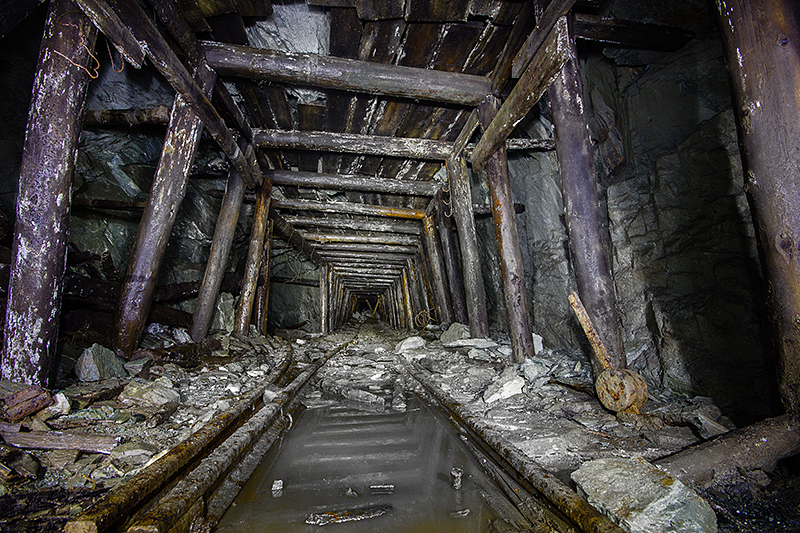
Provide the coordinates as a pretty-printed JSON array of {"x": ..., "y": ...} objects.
[
  {"x": 218, "y": 256},
  {"x": 444, "y": 222},
  {"x": 762, "y": 44},
  {"x": 323, "y": 300},
  {"x": 43, "y": 203},
  {"x": 587, "y": 241},
  {"x": 461, "y": 199},
  {"x": 438, "y": 270},
  {"x": 505, "y": 229},
  {"x": 407, "y": 299},
  {"x": 158, "y": 218},
  {"x": 253, "y": 266},
  {"x": 262, "y": 294}
]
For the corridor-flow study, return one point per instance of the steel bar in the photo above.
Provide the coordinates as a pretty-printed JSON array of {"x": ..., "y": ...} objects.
[
  {"x": 218, "y": 256},
  {"x": 538, "y": 76},
  {"x": 346, "y": 74},
  {"x": 565, "y": 499},
  {"x": 761, "y": 44},
  {"x": 587, "y": 241},
  {"x": 253, "y": 266},
  {"x": 43, "y": 203},
  {"x": 461, "y": 199},
  {"x": 441, "y": 289},
  {"x": 350, "y": 182},
  {"x": 171, "y": 506},
  {"x": 104, "y": 514},
  {"x": 158, "y": 218},
  {"x": 505, "y": 228}
]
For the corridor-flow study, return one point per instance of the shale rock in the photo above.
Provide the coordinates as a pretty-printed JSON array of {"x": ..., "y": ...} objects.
[
  {"x": 409, "y": 344},
  {"x": 454, "y": 333},
  {"x": 507, "y": 385},
  {"x": 155, "y": 393},
  {"x": 643, "y": 499},
  {"x": 98, "y": 362}
]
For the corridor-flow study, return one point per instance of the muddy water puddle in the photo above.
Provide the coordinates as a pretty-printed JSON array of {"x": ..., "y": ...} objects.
[{"x": 386, "y": 471}]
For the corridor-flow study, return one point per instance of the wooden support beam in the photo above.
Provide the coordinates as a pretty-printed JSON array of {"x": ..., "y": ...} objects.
[
  {"x": 330, "y": 72},
  {"x": 13, "y": 12},
  {"x": 761, "y": 43},
  {"x": 42, "y": 225},
  {"x": 368, "y": 248},
  {"x": 262, "y": 294},
  {"x": 350, "y": 182},
  {"x": 444, "y": 223},
  {"x": 324, "y": 306},
  {"x": 161, "y": 210},
  {"x": 554, "y": 11},
  {"x": 587, "y": 241},
  {"x": 381, "y": 238},
  {"x": 630, "y": 34},
  {"x": 348, "y": 208},
  {"x": 505, "y": 228},
  {"x": 371, "y": 224},
  {"x": 442, "y": 291},
  {"x": 152, "y": 116},
  {"x": 540, "y": 73},
  {"x": 124, "y": 41},
  {"x": 168, "y": 64},
  {"x": 461, "y": 199},
  {"x": 253, "y": 266},
  {"x": 410, "y": 311},
  {"x": 295, "y": 240},
  {"x": 217, "y": 257}
]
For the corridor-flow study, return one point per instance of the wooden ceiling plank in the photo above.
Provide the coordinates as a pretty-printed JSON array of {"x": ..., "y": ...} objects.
[
  {"x": 310, "y": 117},
  {"x": 374, "y": 224},
  {"x": 254, "y": 8},
  {"x": 437, "y": 10},
  {"x": 380, "y": 9},
  {"x": 348, "y": 208},
  {"x": 350, "y": 182},
  {"x": 522, "y": 28},
  {"x": 630, "y": 34},
  {"x": 554, "y": 11},
  {"x": 194, "y": 16}
]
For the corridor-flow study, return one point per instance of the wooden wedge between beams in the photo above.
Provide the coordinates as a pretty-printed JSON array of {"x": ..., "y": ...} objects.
[{"x": 541, "y": 72}]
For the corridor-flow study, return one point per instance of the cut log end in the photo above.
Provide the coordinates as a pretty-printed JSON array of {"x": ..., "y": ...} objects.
[{"x": 621, "y": 390}]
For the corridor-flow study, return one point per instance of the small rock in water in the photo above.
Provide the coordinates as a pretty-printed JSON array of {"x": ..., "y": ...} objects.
[
  {"x": 460, "y": 514},
  {"x": 277, "y": 488},
  {"x": 98, "y": 362},
  {"x": 350, "y": 492},
  {"x": 643, "y": 499},
  {"x": 455, "y": 475}
]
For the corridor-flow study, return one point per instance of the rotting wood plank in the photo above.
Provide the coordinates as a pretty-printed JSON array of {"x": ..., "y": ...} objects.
[
  {"x": 630, "y": 34},
  {"x": 254, "y": 8},
  {"x": 58, "y": 440},
  {"x": 348, "y": 207},
  {"x": 437, "y": 10},
  {"x": 123, "y": 40},
  {"x": 380, "y": 9},
  {"x": 191, "y": 11},
  {"x": 438, "y": 269},
  {"x": 292, "y": 237},
  {"x": 587, "y": 241},
  {"x": 310, "y": 117},
  {"x": 217, "y": 257},
  {"x": 262, "y": 294},
  {"x": 367, "y": 247},
  {"x": 554, "y": 11},
  {"x": 505, "y": 227},
  {"x": 347, "y": 74},
  {"x": 171, "y": 17},
  {"x": 541, "y": 72},
  {"x": 250, "y": 281},
  {"x": 43, "y": 203},
  {"x": 161, "y": 210},
  {"x": 461, "y": 199},
  {"x": 444, "y": 223},
  {"x": 324, "y": 306},
  {"x": 371, "y": 224},
  {"x": 363, "y": 237},
  {"x": 152, "y": 116},
  {"x": 523, "y": 25}
]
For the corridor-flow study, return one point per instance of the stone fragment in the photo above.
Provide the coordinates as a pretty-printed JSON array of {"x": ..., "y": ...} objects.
[
  {"x": 409, "y": 344},
  {"x": 538, "y": 344},
  {"x": 133, "y": 453},
  {"x": 137, "y": 365},
  {"x": 223, "y": 313},
  {"x": 98, "y": 362},
  {"x": 155, "y": 393},
  {"x": 455, "y": 332},
  {"x": 534, "y": 369},
  {"x": 643, "y": 499},
  {"x": 476, "y": 343},
  {"x": 506, "y": 386},
  {"x": 59, "y": 407}
]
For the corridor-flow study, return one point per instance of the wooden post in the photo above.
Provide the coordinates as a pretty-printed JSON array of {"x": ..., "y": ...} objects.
[
  {"x": 587, "y": 241},
  {"x": 323, "y": 300},
  {"x": 417, "y": 287},
  {"x": 262, "y": 294},
  {"x": 253, "y": 266},
  {"x": 762, "y": 42},
  {"x": 160, "y": 212},
  {"x": 437, "y": 267},
  {"x": 505, "y": 230},
  {"x": 444, "y": 222},
  {"x": 43, "y": 203},
  {"x": 461, "y": 199},
  {"x": 217, "y": 257}
]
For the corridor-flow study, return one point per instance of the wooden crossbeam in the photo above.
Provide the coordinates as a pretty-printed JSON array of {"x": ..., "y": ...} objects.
[
  {"x": 348, "y": 207},
  {"x": 349, "y": 182},
  {"x": 330, "y": 72},
  {"x": 371, "y": 224},
  {"x": 630, "y": 34},
  {"x": 362, "y": 238},
  {"x": 554, "y": 11}
]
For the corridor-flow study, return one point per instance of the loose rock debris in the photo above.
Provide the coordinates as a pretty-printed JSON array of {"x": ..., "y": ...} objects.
[{"x": 544, "y": 406}]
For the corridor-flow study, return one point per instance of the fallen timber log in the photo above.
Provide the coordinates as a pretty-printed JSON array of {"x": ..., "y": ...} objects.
[
  {"x": 107, "y": 512},
  {"x": 179, "y": 500},
  {"x": 565, "y": 499}
]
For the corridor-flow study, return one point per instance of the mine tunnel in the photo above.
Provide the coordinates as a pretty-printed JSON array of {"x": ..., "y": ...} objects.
[{"x": 400, "y": 265}]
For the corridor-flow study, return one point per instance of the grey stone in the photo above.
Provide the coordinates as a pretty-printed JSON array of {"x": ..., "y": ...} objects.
[
  {"x": 409, "y": 344},
  {"x": 455, "y": 332},
  {"x": 134, "y": 453},
  {"x": 59, "y": 407},
  {"x": 507, "y": 385},
  {"x": 223, "y": 313},
  {"x": 98, "y": 362},
  {"x": 476, "y": 343},
  {"x": 643, "y": 499},
  {"x": 534, "y": 369},
  {"x": 155, "y": 393}
]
